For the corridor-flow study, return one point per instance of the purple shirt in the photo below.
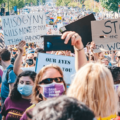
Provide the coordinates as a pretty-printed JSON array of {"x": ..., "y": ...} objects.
[
  {"x": 30, "y": 109},
  {"x": 13, "y": 110}
]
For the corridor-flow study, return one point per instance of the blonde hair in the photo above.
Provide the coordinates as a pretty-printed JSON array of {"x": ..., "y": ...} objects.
[
  {"x": 93, "y": 85},
  {"x": 36, "y": 97}
]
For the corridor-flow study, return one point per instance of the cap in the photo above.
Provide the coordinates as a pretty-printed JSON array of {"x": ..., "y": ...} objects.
[{"x": 30, "y": 51}]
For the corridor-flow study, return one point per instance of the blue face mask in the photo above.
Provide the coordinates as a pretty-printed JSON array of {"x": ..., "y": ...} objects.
[
  {"x": 14, "y": 53},
  {"x": 25, "y": 90}
]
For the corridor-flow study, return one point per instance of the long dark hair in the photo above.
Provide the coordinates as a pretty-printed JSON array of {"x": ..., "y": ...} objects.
[{"x": 15, "y": 95}]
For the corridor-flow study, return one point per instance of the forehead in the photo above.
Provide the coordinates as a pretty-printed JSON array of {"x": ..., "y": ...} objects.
[
  {"x": 51, "y": 73},
  {"x": 29, "y": 55},
  {"x": 25, "y": 78}
]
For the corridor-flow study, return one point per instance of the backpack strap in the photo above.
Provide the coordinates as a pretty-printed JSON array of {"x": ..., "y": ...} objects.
[{"x": 8, "y": 71}]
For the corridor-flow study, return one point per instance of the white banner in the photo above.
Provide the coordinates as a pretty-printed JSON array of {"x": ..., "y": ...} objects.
[
  {"x": 67, "y": 64},
  {"x": 28, "y": 27}
]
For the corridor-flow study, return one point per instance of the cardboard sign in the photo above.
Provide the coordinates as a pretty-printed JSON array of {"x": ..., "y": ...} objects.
[
  {"x": 105, "y": 34},
  {"x": 67, "y": 64},
  {"x": 28, "y": 27}
]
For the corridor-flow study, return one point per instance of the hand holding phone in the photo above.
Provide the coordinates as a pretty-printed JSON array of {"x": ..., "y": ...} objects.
[{"x": 76, "y": 40}]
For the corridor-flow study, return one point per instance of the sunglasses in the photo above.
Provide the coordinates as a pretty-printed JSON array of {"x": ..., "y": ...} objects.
[{"x": 50, "y": 80}]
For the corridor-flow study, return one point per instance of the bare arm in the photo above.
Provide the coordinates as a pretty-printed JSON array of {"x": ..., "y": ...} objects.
[
  {"x": 10, "y": 87},
  {"x": 80, "y": 59},
  {"x": 76, "y": 41},
  {"x": 18, "y": 60}
]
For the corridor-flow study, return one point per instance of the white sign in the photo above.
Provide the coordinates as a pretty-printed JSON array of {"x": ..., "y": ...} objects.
[
  {"x": 67, "y": 64},
  {"x": 28, "y": 27},
  {"x": 28, "y": 69}
]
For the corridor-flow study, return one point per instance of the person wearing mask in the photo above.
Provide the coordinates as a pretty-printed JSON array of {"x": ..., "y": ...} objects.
[
  {"x": 20, "y": 96},
  {"x": 9, "y": 76},
  {"x": 14, "y": 53},
  {"x": 93, "y": 85},
  {"x": 30, "y": 60},
  {"x": 63, "y": 108},
  {"x": 49, "y": 83},
  {"x": 50, "y": 79}
]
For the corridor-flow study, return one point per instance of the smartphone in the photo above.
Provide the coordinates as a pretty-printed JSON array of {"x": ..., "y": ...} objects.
[{"x": 55, "y": 43}]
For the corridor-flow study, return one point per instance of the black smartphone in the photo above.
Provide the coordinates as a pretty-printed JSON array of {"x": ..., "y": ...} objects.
[{"x": 55, "y": 43}]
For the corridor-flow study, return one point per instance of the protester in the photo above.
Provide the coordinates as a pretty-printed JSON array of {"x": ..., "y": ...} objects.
[
  {"x": 93, "y": 85},
  {"x": 20, "y": 96},
  {"x": 51, "y": 76},
  {"x": 14, "y": 53},
  {"x": 115, "y": 74},
  {"x": 9, "y": 76},
  {"x": 63, "y": 108},
  {"x": 49, "y": 83},
  {"x": 30, "y": 60}
]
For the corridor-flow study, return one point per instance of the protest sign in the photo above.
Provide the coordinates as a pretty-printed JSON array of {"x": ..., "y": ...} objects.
[
  {"x": 105, "y": 34},
  {"x": 64, "y": 62},
  {"x": 28, "y": 27},
  {"x": 28, "y": 68}
]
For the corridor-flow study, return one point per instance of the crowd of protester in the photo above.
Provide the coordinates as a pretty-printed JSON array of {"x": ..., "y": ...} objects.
[{"x": 94, "y": 93}]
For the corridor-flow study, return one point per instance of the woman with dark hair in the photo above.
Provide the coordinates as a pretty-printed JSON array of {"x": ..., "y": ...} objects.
[{"x": 20, "y": 96}]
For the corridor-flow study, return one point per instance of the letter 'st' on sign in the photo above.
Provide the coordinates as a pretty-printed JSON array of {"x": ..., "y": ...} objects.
[{"x": 106, "y": 33}]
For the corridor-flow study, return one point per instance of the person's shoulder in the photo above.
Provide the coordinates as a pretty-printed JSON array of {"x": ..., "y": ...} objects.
[
  {"x": 31, "y": 107},
  {"x": 8, "y": 100}
]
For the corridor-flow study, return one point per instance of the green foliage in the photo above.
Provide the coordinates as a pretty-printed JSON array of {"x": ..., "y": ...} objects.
[
  {"x": 42, "y": 1},
  {"x": 73, "y": 4},
  {"x": 18, "y": 3},
  {"x": 110, "y": 5},
  {"x": 34, "y": 2},
  {"x": 62, "y": 2},
  {"x": 1, "y": 1},
  {"x": 97, "y": 0}
]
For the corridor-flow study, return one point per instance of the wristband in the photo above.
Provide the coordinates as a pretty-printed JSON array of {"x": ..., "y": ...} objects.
[{"x": 79, "y": 49}]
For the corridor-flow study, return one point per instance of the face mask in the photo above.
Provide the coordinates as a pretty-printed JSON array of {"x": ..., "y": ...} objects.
[
  {"x": 25, "y": 90},
  {"x": 14, "y": 53},
  {"x": 29, "y": 61},
  {"x": 53, "y": 90}
]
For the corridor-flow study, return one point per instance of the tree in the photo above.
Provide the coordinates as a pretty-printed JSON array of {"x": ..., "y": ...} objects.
[
  {"x": 1, "y": 1},
  {"x": 58, "y": 3},
  {"x": 18, "y": 3},
  {"x": 110, "y": 5},
  {"x": 62, "y": 2},
  {"x": 34, "y": 2},
  {"x": 42, "y": 1}
]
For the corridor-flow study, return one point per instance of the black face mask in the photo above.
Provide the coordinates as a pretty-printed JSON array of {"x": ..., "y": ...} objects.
[
  {"x": 29, "y": 61},
  {"x": 35, "y": 58}
]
